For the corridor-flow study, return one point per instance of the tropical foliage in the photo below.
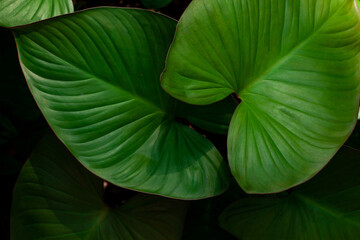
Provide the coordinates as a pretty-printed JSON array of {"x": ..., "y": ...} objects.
[{"x": 267, "y": 90}]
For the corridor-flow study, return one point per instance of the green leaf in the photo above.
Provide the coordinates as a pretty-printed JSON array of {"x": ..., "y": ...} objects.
[
  {"x": 56, "y": 198},
  {"x": 95, "y": 76},
  {"x": 19, "y": 12},
  {"x": 295, "y": 67},
  {"x": 155, "y": 4},
  {"x": 326, "y": 207}
]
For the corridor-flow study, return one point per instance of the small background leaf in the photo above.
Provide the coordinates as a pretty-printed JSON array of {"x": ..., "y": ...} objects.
[
  {"x": 55, "y": 197},
  {"x": 325, "y": 207}
]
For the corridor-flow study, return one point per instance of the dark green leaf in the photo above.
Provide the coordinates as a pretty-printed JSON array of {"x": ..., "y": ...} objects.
[
  {"x": 95, "y": 76},
  {"x": 326, "y": 207},
  {"x": 57, "y": 198},
  {"x": 295, "y": 67}
]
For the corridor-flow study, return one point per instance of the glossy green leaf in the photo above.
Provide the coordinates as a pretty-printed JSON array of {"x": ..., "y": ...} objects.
[
  {"x": 19, "y": 12},
  {"x": 155, "y": 4},
  {"x": 57, "y": 198},
  {"x": 326, "y": 207},
  {"x": 95, "y": 76},
  {"x": 295, "y": 67}
]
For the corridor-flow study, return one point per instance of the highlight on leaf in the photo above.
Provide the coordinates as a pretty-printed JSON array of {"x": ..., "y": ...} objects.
[
  {"x": 295, "y": 67},
  {"x": 20, "y": 12},
  {"x": 95, "y": 76}
]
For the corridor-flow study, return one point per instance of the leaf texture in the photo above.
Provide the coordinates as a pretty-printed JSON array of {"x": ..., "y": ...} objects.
[
  {"x": 326, "y": 207},
  {"x": 57, "y": 198},
  {"x": 95, "y": 76},
  {"x": 295, "y": 67},
  {"x": 19, "y": 12}
]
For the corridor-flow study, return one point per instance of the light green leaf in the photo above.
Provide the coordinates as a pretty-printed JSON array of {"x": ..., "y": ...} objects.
[
  {"x": 326, "y": 207},
  {"x": 295, "y": 67},
  {"x": 95, "y": 76},
  {"x": 155, "y": 4},
  {"x": 19, "y": 12},
  {"x": 57, "y": 198}
]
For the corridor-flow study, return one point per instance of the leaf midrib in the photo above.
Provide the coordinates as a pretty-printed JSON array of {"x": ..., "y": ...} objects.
[
  {"x": 99, "y": 221},
  {"x": 284, "y": 58},
  {"x": 93, "y": 75}
]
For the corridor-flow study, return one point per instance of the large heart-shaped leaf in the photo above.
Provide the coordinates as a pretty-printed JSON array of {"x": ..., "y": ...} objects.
[
  {"x": 19, "y": 12},
  {"x": 326, "y": 207},
  {"x": 57, "y": 198},
  {"x": 155, "y": 4},
  {"x": 95, "y": 76},
  {"x": 295, "y": 67}
]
